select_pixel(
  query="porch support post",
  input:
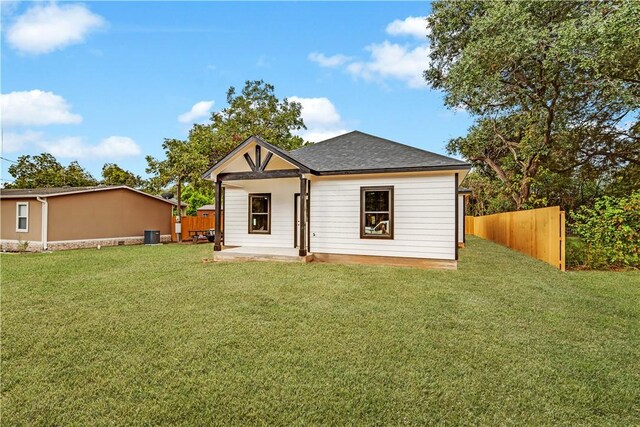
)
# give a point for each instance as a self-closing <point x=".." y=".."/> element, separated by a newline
<point x="303" y="217"/>
<point x="218" y="223"/>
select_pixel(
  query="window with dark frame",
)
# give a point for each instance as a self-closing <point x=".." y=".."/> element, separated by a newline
<point x="376" y="212"/>
<point x="259" y="213"/>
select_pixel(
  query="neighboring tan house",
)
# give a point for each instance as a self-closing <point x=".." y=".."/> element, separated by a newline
<point x="80" y="217"/>
<point x="368" y="200"/>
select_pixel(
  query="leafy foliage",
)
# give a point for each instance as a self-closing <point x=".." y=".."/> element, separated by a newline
<point x="487" y="195"/>
<point x="554" y="87"/>
<point x="576" y="253"/>
<point x="611" y="231"/>
<point x="43" y="170"/>
<point x="113" y="174"/>
<point x="196" y="198"/>
<point x="184" y="162"/>
<point x="255" y="111"/>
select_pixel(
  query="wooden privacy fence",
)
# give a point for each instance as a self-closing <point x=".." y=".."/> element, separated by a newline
<point x="539" y="233"/>
<point x="191" y="223"/>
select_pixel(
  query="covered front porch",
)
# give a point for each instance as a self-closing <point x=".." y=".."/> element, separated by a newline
<point x="265" y="197"/>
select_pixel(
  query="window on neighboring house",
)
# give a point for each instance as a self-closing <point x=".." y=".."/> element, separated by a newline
<point x="22" y="217"/>
<point x="376" y="212"/>
<point x="259" y="213"/>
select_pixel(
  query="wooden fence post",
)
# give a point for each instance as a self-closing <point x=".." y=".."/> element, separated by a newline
<point x="563" y="241"/>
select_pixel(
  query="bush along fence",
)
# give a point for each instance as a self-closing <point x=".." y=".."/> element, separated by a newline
<point x="610" y="232"/>
<point x="539" y="233"/>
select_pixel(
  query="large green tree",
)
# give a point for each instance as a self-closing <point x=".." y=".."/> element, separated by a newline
<point x="553" y="86"/>
<point x="112" y="174"/>
<point x="43" y="170"/>
<point x="255" y="111"/>
<point x="183" y="163"/>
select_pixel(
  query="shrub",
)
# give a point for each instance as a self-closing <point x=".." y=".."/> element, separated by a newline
<point x="23" y="245"/>
<point x="611" y="231"/>
<point x="576" y="253"/>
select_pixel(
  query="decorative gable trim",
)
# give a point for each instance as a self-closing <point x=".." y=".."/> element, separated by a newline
<point x="258" y="165"/>
<point x="262" y="144"/>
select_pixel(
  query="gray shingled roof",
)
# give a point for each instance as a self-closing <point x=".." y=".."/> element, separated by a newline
<point x="358" y="151"/>
<point x="7" y="193"/>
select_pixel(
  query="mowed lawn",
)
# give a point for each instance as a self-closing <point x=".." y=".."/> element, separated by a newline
<point x="151" y="335"/>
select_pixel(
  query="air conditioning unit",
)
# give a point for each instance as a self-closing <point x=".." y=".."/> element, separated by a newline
<point x="151" y="237"/>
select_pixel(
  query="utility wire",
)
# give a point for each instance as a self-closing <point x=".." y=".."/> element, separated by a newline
<point x="8" y="160"/>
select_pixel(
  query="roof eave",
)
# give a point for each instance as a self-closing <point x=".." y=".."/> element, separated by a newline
<point x="463" y="166"/>
<point x="93" y="190"/>
<point x="23" y="196"/>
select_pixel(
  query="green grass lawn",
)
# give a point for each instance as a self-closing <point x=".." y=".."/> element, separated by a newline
<point x="151" y="335"/>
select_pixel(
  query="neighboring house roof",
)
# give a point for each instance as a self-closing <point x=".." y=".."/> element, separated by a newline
<point x="207" y="208"/>
<point x="15" y="193"/>
<point x="352" y="153"/>
<point x="358" y="152"/>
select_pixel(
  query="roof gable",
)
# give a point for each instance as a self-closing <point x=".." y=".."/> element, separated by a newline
<point x="241" y="150"/>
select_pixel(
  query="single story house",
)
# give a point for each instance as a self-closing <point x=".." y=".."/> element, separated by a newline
<point x="80" y="217"/>
<point x="353" y="198"/>
<point x="206" y="211"/>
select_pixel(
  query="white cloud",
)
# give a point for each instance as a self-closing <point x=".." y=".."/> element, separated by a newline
<point x="321" y="118"/>
<point x="45" y="28"/>
<point x="387" y="60"/>
<point x="321" y="135"/>
<point x="391" y="60"/>
<point x="199" y="110"/>
<point x="12" y="141"/>
<point x="113" y="147"/>
<point x="415" y="26"/>
<point x="264" y="62"/>
<point x="317" y="111"/>
<point x="328" y="61"/>
<point x="36" y="108"/>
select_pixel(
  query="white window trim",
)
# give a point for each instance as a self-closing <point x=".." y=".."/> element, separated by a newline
<point x="18" y="229"/>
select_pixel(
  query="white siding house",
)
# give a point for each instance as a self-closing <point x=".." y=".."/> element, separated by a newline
<point x="368" y="200"/>
<point x="424" y="226"/>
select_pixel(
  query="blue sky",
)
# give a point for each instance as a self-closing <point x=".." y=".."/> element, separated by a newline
<point x="108" y="81"/>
